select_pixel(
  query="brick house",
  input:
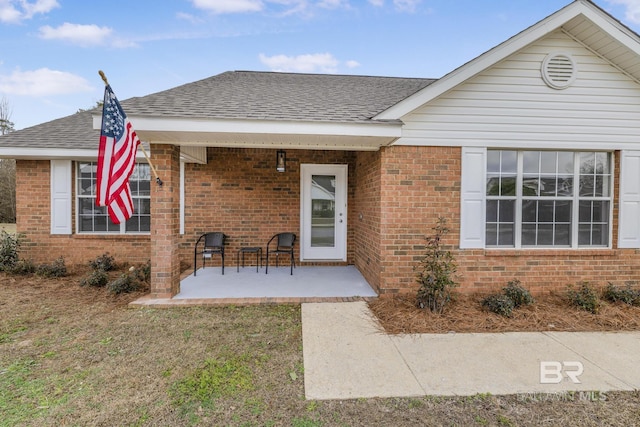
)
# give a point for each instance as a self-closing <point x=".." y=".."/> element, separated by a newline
<point x="531" y="151"/>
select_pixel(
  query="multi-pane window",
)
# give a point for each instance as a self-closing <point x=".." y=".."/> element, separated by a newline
<point x="548" y="198"/>
<point x="95" y="219"/>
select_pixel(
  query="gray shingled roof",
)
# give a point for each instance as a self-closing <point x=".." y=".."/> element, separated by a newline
<point x="279" y="96"/>
<point x="71" y="132"/>
<point x="239" y="95"/>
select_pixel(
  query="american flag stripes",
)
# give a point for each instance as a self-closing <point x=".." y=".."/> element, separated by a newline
<point x="116" y="159"/>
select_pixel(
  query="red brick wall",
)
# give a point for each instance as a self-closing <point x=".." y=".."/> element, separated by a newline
<point x="419" y="184"/>
<point x="33" y="206"/>
<point x="165" y="222"/>
<point x="367" y="216"/>
<point x="422" y="183"/>
<point x="400" y="192"/>
<point x="240" y="193"/>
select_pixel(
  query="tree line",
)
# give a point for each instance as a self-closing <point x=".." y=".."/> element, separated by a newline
<point x="7" y="169"/>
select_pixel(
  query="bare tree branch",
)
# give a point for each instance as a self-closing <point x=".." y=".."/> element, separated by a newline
<point x="7" y="169"/>
<point x="6" y="125"/>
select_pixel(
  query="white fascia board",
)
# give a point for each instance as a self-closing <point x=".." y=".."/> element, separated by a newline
<point x="528" y="144"/>
<point x="168" y="124"/>
<point x="51" y="153"/>
<point x="502" y="51"/>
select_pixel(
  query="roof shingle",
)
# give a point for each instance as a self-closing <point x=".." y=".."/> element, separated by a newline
<point x="240" y="95"/>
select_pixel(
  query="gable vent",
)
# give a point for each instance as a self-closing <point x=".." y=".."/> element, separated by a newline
<point x="558" y="70"/>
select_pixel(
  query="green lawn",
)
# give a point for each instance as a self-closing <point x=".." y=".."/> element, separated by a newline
<point x="72" y="355"/>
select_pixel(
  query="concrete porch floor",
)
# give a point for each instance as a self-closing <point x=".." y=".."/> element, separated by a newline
<point x="307" y="284"/>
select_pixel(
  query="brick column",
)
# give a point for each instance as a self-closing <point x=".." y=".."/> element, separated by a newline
<point x="165" y="222"/>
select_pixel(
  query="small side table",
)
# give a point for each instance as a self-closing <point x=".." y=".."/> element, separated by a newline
<point x="249" y="250"/>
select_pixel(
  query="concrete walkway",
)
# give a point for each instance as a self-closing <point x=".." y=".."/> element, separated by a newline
<point x="346" y="356"/>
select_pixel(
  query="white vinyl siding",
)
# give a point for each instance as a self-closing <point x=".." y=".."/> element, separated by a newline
<point x="509" y="105"/>
<point x="629" y="217"/>
<point x="60" y="196"/>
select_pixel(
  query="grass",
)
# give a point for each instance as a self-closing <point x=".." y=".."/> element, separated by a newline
<point x="72" y="355"/>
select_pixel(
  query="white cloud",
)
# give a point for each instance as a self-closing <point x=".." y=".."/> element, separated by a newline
<point x="39" y="6"/>
<point x="632" y="12"/>
<point x="309" y="63"/>
<point x="377" y="3"/>
<point x="189" y="18"/>
<point x="333" y="4"/>
<point x="14" y="11"/>
<point x="83" y="35"/>
<point x="8" y="13"/>
<point x="352" y="64"/>
<point x="42" y="82"/>
<point x="282" y="7"/>
<point x="229" y="6"/>
<point x="406" y="5"/>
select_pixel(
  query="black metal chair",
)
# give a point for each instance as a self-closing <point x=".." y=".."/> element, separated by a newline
<point x="213" y="244"/>
<point x="283" y="245"/>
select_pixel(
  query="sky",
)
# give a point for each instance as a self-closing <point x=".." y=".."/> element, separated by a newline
<point x="51" y="50"/>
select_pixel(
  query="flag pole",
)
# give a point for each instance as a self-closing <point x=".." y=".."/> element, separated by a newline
<point x="158" y="180"/>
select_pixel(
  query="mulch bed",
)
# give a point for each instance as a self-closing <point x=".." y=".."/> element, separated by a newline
<point x="399" y="315"/>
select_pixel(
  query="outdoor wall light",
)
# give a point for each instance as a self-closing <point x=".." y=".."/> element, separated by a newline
<point x="281" y="160"/>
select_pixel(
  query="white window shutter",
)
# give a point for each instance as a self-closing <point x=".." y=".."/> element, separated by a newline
<point x="629" y="216"/>
<point x="60" y="196"/>
<point x="472" y="194"/>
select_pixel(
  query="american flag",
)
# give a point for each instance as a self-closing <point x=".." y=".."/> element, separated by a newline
<point x="116" y="159"/>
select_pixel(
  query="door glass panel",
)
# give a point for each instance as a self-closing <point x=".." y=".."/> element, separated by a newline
<point x="323" y="210"/>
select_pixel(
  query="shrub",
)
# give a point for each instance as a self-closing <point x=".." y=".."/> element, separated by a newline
<point x="9" y="246"/>
<point x="585" y="297"/>
<point x="436" y="272"/>
<point x="104" y="262"/>
<point x="23" y="267"/>
<point x="143" y="272"/>
<point x="499" y="304"/>
<point x="519" y="295"/>
<point x="124" y="284"/>
<point x="56" y="269"/>
<point x="98" y="279"/>
<point x="626" y="295"/>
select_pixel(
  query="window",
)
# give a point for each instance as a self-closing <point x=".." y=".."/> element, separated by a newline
<point x="548" y="199"/>
<point x="95" y="219"/>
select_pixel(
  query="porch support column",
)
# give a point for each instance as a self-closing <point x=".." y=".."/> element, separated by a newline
<point x="165" y="222"/>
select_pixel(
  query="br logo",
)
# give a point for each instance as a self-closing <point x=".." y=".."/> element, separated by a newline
<point x="552" y="372"/>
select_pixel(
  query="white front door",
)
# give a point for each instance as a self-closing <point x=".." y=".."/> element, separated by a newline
<point x="323" y="225"/>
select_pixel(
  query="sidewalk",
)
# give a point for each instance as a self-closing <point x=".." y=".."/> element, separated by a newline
<point x="346" y="356"/>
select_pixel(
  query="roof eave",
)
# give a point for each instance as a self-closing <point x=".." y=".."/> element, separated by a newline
<point x="374" y="128"/>
<point x="46" y="153"/>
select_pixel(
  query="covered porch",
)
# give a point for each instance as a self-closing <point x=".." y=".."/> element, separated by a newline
<point x="246" y="286"/>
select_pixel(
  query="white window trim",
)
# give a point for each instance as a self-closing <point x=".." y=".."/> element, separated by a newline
<point x="469" y="194"/>
<point x="76" y="199"/>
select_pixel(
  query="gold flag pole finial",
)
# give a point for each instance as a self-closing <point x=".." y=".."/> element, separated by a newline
<point x="104" y="78"/>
